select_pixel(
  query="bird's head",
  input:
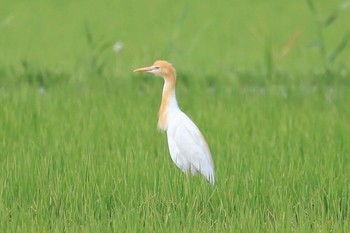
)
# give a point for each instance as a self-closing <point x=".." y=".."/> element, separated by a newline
<point x="159" y="68"/>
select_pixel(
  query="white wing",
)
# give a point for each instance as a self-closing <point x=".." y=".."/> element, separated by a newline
<point x="188" y="148"/>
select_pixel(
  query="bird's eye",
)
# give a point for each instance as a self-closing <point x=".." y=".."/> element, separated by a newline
<point x="156" y="67"/>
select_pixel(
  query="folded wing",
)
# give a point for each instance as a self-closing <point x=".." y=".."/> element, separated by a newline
<point x="188" y="148"/>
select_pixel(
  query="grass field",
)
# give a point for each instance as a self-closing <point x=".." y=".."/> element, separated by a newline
<point x="79" y="149"/>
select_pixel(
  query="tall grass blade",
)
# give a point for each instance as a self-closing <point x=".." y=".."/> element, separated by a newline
<point x="331" y="18"/>
<point x="311" y="5"/>
<point x="269" y="63"/>
<point x="335" y="15"/>
<point x="340" y="48"/>
<point x="290" y="43"/>
<point x="88" y="35"/>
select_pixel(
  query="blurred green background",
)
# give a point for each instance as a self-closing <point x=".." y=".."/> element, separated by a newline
<point x="194" y="35"/>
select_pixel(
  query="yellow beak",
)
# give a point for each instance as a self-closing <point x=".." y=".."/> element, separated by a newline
<point x="144" y="69"/>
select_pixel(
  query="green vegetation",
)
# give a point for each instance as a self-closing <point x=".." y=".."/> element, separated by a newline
<point x="269" y="88"/>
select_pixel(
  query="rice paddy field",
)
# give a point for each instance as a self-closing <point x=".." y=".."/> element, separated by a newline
<point x="267" y="82"/>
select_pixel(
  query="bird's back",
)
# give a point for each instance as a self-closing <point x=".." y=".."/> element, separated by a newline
<point x="187" y="146"/>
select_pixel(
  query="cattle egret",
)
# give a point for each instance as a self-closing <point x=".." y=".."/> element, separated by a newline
<point x="187" y="146"/>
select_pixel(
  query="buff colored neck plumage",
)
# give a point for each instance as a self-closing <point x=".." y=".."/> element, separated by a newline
<point x="168" y="100"/>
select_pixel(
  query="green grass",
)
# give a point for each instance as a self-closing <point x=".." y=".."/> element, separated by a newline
<point x="79" y="149"/>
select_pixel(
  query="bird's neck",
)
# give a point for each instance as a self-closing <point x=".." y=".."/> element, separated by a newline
<point x="168" y="101"/>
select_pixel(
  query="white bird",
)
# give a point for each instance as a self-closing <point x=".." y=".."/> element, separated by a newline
<point x="187" y="146"/>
